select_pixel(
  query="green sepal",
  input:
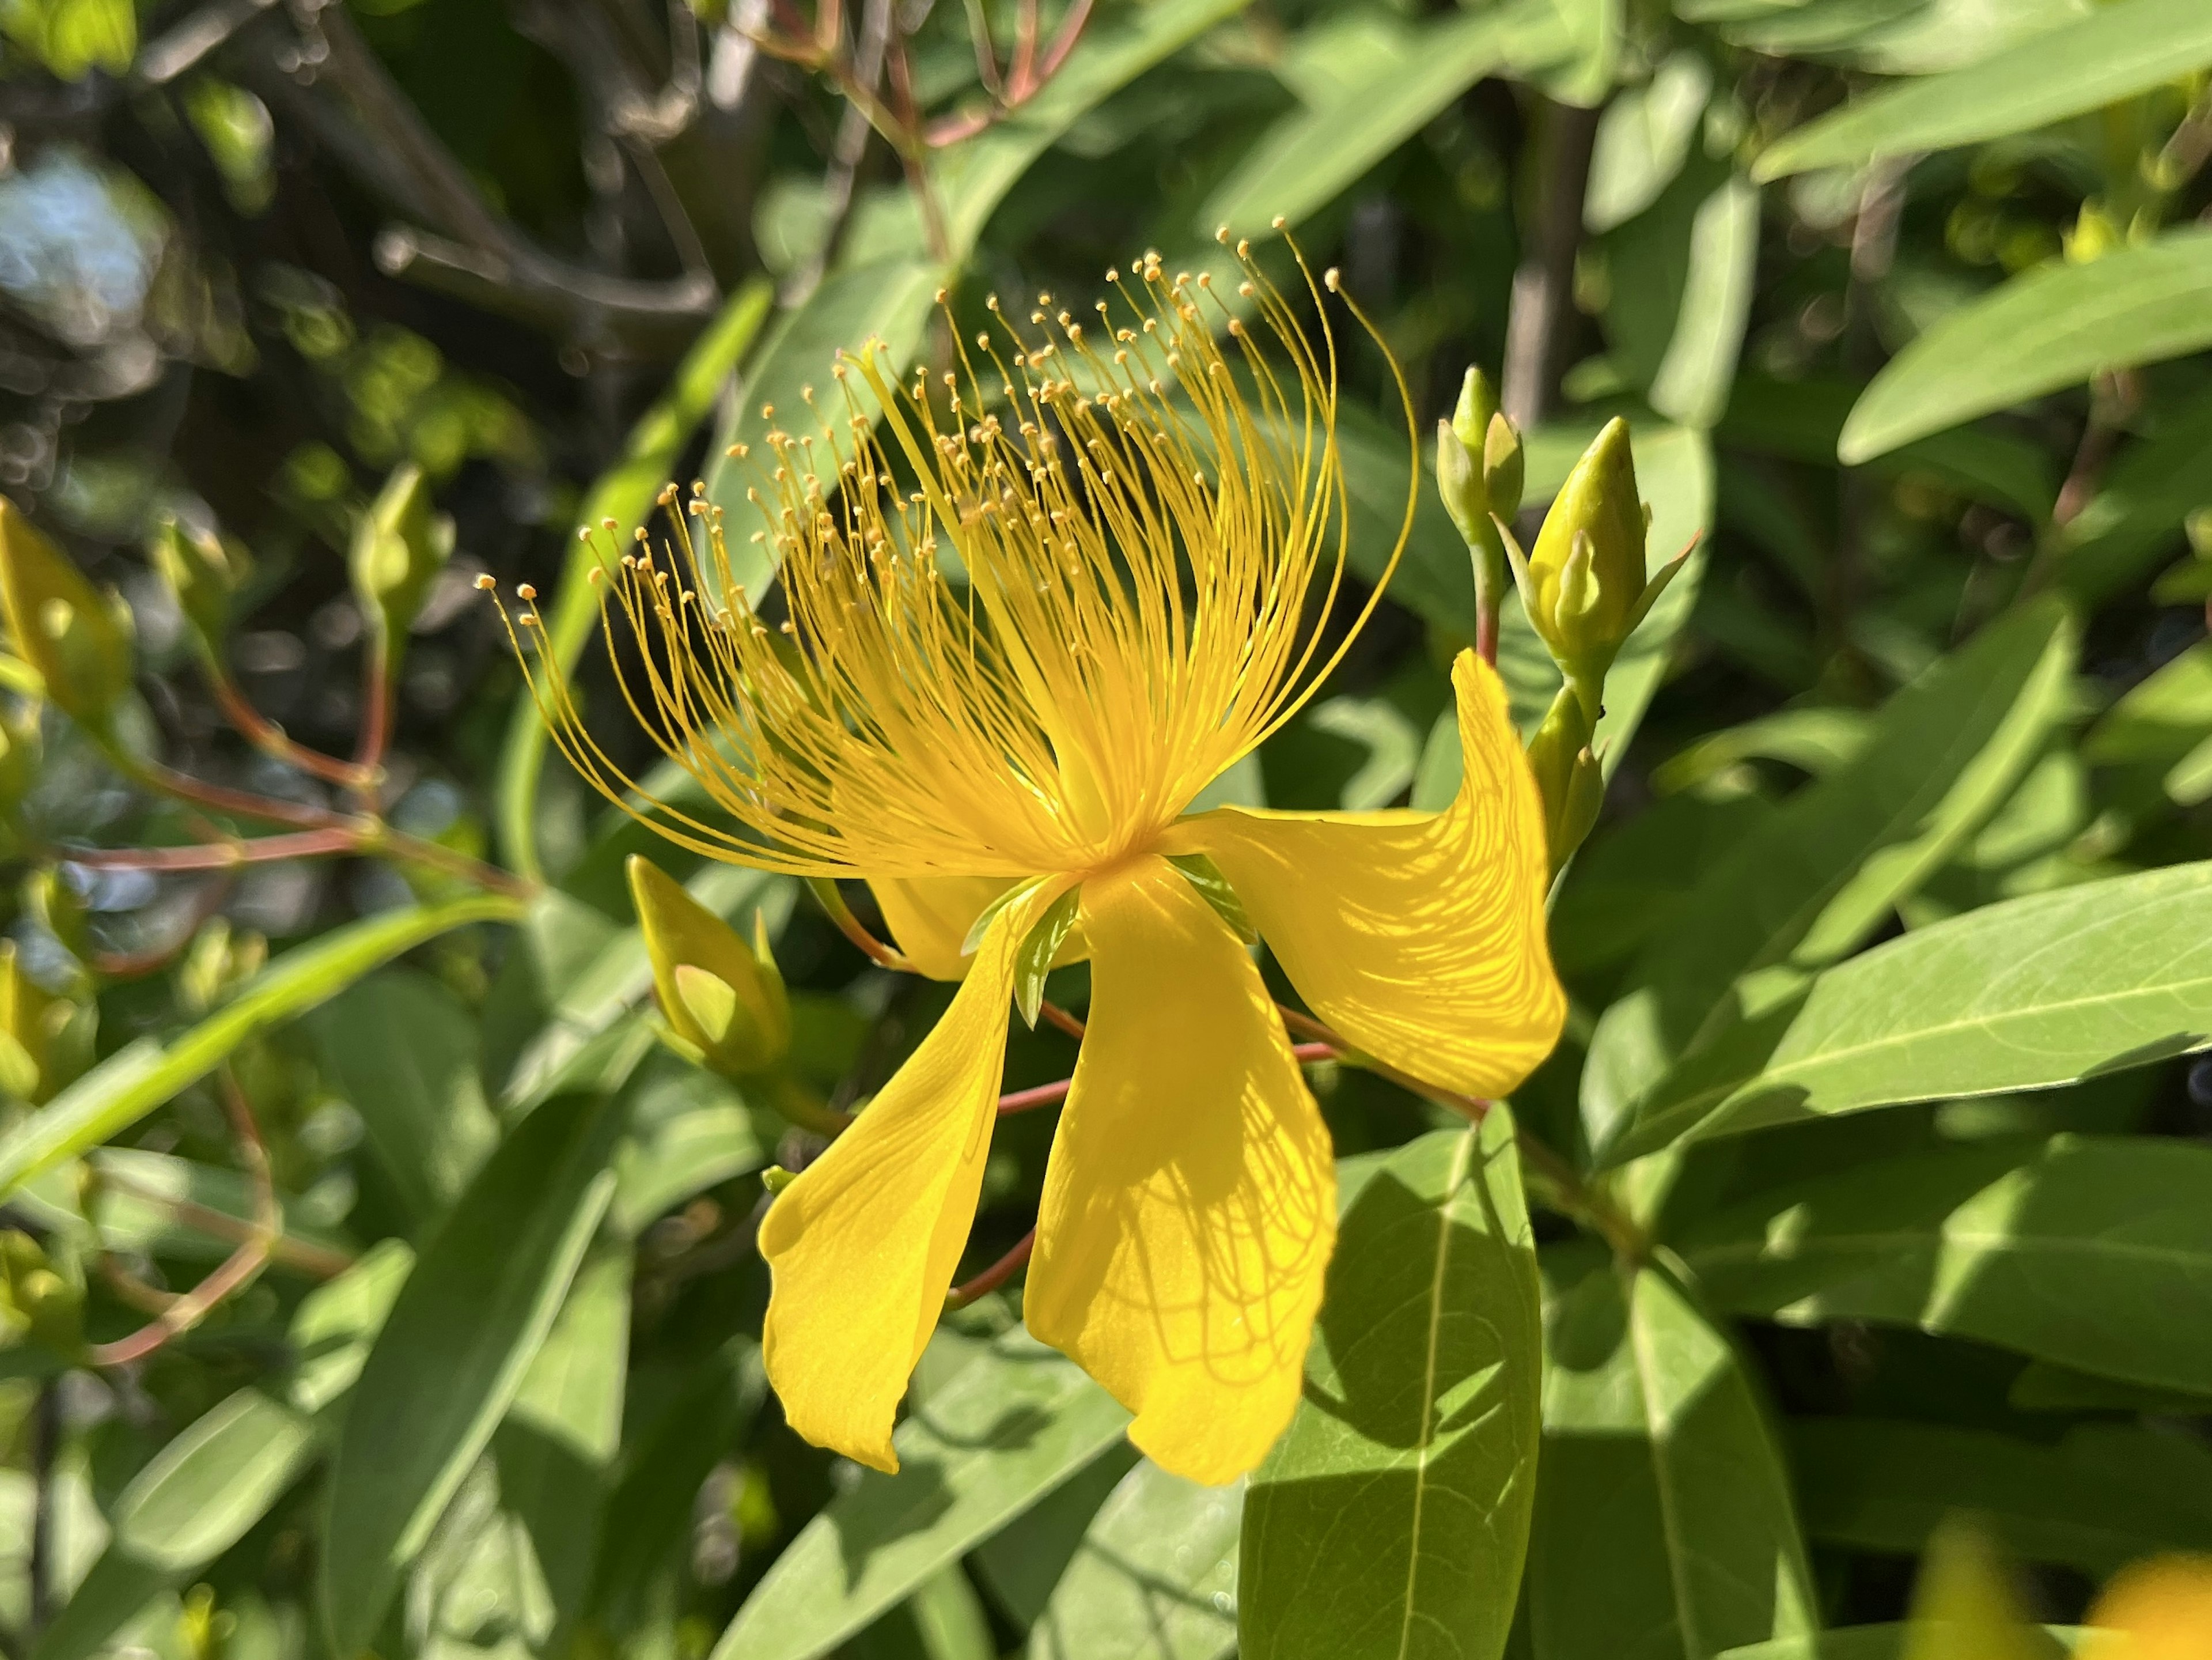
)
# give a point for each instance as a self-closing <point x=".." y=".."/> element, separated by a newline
<point x="989" y="914"/>
<point x="1202" y="873"/>
<point x="1034" y="961"/>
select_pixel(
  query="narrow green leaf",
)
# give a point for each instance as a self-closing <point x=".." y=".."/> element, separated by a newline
<point x="402" y="1051"/>
<point x="2095" y="1253"/>
<point x="1020" y="1564"/>
<point x="1644" y="138"/>
<point x="204" y="1489"/>
<point x="555" y="1448"/>
<point x="686" y="1130"/>
<point x="1312" y="156"/>
<point x="1155" y="1577"/>
<point x="2114" y="53"/>
<point x="1858" y="1642"/>
<point x="1011" y="1426"/>
<point x="1038" y="949"/>
<point x="2106" y="1496"/>
<point x="1681" y="286"/>
<point x="2054" y="327"/>
<point x="130" y="1083"/>
<point x="1664" y="1526"/>
<point x="466" y="1325"/>
<point x="2025" y="995"/>
<point x="1392" y="1517"/>
<point x="1811" y="882"/>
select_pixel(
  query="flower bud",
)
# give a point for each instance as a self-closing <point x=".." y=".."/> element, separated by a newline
<point x="723" y="1000"/>
<point x="46" y="1039"/>
<point x="1459" y="482"/>
<point x="1477" y="405"/>
<point x="1585" y="579"/>
<point x="1502" y="466"/>
<point x="36" y="1302"/>
<point x="77" y="639"/>
<point x="399" y="546"/>
<point x="203" y="571"/>
<point x="1568" y="776"/>
<point x="60" y="909"/>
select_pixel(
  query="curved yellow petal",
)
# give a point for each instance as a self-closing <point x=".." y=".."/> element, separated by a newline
<point x="861" y="1248"/>
<point x="1190" y="1206"/>
<point x="1421" y="938"/>
<point x="929" y="916"/>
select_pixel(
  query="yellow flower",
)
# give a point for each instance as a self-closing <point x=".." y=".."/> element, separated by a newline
<point x="1026" y="621"/>
<point x="2159" y="1609"/>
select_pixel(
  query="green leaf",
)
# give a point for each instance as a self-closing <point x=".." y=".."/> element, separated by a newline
<point x="1664" y="1526"/>
<point x="2142" y="503"/>
<point x="2032" y="993"/>
<point x="1644" y="138"/>
<point x="2052" y="328"/>
<point x="402" y="1050"/>
<point x="204" y="1490"/>
<point x="451" y="1356"/>
<point x="1020" y="1564"/>
<point x="2095" y="1253"/>
<point x="1311" y="157"/>
<point x="2114" y="53"/>
<point x="686" y="1130"/>
<point x="943" y="1621"/>
<point x="1680" y="279"/>
<point x="710" y="1403"/>
<point x="1857" y="1642"/>
<point x="555" y="1448"/>
<point x="1011" y="1426"/>
<point x="1155" y="1577"/>
<point x="1392" y="1517"/>
<point x="1814" y="878"/>
<point x="2106" y="1496"/>
<point x="130" y="1083"/>
<point x="1038" y="949"/>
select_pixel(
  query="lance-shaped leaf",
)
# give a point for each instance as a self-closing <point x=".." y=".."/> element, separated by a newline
<point x="1814" y="879"/>
<point x="1013" y="1425"/>
<point x="134" y="1080"/>
<point x="1664" y="1526"/>
<point x="1154" y="1578"/>
<point x="2025" y="995"/>
<point x="2094" y="1252"/>
<point x="471" y="1316"/>
<point x="1392" y="1517"/>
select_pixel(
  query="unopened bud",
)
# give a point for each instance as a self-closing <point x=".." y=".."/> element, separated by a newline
<point x="1568" y="776"/>
<point x="36" y="1302"/>
<point x="203" y="571"/>
<point x="723" y="1000"/>
<point x="399" y="546"/>
<point x="46" y="1039"/>
<point x="1502" y="466"/>
<point x="1586" y="575"/>
<point x="76" y="638"/>
<point x="1459" y="482"/>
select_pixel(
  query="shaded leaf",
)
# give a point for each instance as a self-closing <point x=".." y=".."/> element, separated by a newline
<point x="1392" y="1517"/>
<point x="1154" y="1578"/>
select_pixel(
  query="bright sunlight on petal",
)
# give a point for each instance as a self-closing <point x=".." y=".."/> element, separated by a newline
<point x="1190" y="1206"/>
<point x="929" y="916"/>
<point x="1421" y="939"/>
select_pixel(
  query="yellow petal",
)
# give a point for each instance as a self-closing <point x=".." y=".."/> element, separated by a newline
<point x="1420" y="938"/>
<point x="863" y="1245"/>
<point x="929" y="916"/>
<point x="1190" y="1204"/>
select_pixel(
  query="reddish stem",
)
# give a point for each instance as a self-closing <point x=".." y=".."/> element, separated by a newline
<point x="270" y="739"/>
<point x="375" y="723"/>
<point x="223" y="855"/>
<point x="994" y="1276"/>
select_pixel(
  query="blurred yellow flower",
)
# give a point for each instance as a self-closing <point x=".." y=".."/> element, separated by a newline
<point x="2160" y="1609"/>
<point x="1024" y="624"/>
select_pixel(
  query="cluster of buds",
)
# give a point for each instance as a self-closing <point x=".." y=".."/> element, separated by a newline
<point x="78" y="640"/>
<point x="38" y="1303"/>
<point x="1585" y="587"/>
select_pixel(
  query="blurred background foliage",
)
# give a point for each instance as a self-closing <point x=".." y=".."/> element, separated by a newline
<point x="1907" y="302"/>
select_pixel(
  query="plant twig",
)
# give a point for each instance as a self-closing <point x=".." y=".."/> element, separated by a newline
<point x="238" y="1269"/>
<point x="994" y="1276"/>
<point x="292" y="1253"/>
<point x="270" y="739"/>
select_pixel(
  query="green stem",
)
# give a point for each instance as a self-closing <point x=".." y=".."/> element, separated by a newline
<point x="625" y="493"/>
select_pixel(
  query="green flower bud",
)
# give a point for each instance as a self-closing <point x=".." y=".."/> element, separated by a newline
<point x="216" y="963"/>
<point x="46" y="1040"/>
<point x="76" y="638"/>
<point x="1585" y="583"/>
<point x="36" y="1302"/>
<point x="723" y="1000"/>
<point x="1502" y="466"/>
<point x="1471" y="417"/>
<point x="1459" y="482"/>
<point x="399" y="546"/>
<point x="1567" y="774"/>
<point x="203" y="571"/>
<point x="60" y="909"/>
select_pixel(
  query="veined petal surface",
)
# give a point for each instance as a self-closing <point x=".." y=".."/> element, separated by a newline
<point x="863" y="1245"/>
<point x="1420" y="938"/>
<point x="1190" y="1206"/>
